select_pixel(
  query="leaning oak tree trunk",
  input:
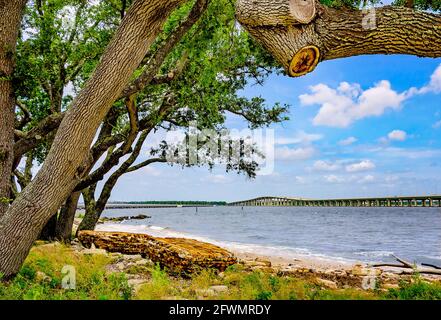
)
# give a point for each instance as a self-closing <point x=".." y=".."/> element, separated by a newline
<point x="302" y="33"/>
<point x="10" y="13"/>
<point x="68" y="158"/>
<point x="63" y="229"/>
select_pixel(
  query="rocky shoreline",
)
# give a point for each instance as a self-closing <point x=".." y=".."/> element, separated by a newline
<point x="325" y="273"/>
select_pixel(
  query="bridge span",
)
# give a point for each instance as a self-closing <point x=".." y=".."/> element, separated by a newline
<point x="395" y="201"/>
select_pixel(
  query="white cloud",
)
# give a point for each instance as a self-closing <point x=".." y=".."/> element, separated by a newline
<point x="360" y="166"/>
<point x="391" y="179"/>
<point x="407" y="153"/>
<point x="434" y="84"/>
<point x="300" y="138"/>
<point x="367" y="179"/>
<point x="334" y="179"/>
<point x="397" y="135"/>
<point x="347" y="141"/>
<point x="342" y="106"/>
<point x="348" y="103"/>
<point x="437" y="124"/>
<point x="321" y="165"/>
<point x="285" y="153"/>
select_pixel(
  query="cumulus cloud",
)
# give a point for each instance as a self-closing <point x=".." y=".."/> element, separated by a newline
<point x="347" y="141"/>
<point x="321" y="165"/>
<point x="397" y="135"/>
<point x="289" y="154"/>
<point x="364" y="165"/>
<point x="435" y="83"/>
<point x="342" y="106"/>
<point x="437" y="124"/>
<point x="367" y="179"/>
<point x="334" y="179"/>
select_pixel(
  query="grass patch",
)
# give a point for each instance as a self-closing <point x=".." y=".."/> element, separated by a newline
<point x="418" y="289"/>
<point x="41" y="277"/>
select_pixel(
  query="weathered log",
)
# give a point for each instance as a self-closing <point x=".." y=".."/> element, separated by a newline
<point x="407" y="265"/>
<point x="178" y="255"/>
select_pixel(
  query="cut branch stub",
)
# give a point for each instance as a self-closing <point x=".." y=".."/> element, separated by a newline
<point x="304" y="61"/>
<point x="256" y="13"/>
<point x="302" y="10"/>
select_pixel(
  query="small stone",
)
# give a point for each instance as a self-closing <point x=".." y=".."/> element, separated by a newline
<point x="359" y="270"/>
<point x="254" y="263"/>
<point x="120" y="266"/>
<point x="133" y="257"/>
<point x="219" y="288"/>
<point x="266" y="262"/>
<point x="94" y="251"/>
<point x="144" y="262"/>
<point x="327" y="283"/>
<point x="42" y="277"/>
<point x="136" y="284"/>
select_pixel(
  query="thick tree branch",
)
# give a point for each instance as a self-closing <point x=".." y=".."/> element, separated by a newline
<point x="337" y="33"/>
<point x="36" y="135"/>
<point x="26" y="115"/>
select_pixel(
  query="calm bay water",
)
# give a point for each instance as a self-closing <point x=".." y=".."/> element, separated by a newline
<point x="354" y="234"/>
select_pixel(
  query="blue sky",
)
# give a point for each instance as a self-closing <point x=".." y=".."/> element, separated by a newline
<point x="360" y="126"/>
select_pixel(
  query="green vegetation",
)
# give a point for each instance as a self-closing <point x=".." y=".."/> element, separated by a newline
<point x="418" y="289"/>
<point x="41" y="278"/>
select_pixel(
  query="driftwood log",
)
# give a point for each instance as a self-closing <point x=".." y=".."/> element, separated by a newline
<point x="413" y="267"/>
<point x="178" y="255"/>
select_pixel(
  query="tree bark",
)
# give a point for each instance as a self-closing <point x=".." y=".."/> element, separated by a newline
<point x="68" y="160"/>
<point x="337" y="33"/>
<point x="11" y="14"/>
<point x="90" y="217"/>
<point x="63" y="230"/>
<point x="48" y="232"/>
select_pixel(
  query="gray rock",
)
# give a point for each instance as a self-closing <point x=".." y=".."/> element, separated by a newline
<point x="219" y="288"/>
<point x="132" y="257"/>
<point x="327" y="283"/>
<point x="144" y="262"/>
<point x="93" y="251"/>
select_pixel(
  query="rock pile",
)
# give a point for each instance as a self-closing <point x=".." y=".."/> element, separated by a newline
<point x="178" y="255"/>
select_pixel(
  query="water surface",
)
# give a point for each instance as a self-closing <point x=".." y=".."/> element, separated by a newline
<point x="353" y="234"/>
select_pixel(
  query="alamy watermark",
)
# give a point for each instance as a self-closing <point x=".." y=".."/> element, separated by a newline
<point x="69" y="281"/>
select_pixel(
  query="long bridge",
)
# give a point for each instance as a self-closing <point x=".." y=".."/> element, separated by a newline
<point x="395" y="201"/>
